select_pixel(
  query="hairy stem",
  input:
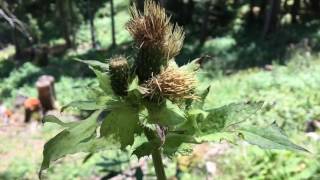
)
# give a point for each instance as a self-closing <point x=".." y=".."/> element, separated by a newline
<point x="158" y="165"/>
<point x="156" y="155"/>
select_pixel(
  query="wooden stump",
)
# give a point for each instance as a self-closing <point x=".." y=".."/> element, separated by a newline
<point x="51" y="80"/>
<point x="46" y="94"/>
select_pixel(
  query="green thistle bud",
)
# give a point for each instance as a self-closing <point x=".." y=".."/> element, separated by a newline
<point x="119" y="74"/>
<point x="158" y="40"/>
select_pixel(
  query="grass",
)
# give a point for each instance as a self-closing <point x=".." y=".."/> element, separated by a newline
<point x="292" y="98"/>
<point x="290" y="90"/>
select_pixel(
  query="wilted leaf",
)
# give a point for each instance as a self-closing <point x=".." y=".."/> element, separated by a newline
<point x="94" y="63"/>
<point x="122" y="122"/>
<point x="271" y="137"/>
<point x="78" y="138"/>
<point x="166" y="114"/>
<point x="228" y="115"/>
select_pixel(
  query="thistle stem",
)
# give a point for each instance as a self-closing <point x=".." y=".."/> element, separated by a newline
<point x="156" y="156"/>
<point x="158" y="165"/>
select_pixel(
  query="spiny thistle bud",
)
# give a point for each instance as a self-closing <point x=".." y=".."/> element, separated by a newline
<point x="119" y="73"/>
<point x="172" y="83"/>
<point x="158" y="40"/>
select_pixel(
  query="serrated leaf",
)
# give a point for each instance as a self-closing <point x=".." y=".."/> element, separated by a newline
<point x="166" y="114"/>
<point x="104" y="81"/>
<point x="271" y="137"/>
<point x="94" y="63"/>
<point x="191" y="125"/>
<point x="228" y="115"/>
<point x="173" y="142"/>
<point x="54" y="119"/>
<point x="145" y="149"/>
<point x="121" y="122"/>
<point x="78" y="138"/>
<point x="217" y="137"/>
<point x="86" y="105"/>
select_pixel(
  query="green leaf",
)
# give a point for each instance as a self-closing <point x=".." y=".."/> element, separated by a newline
<point x="228" y="115"/>
<point x="134" y="85"/>
<point x="135" y="88"/>
<point x="166" y="114"/>
<point x="121" y="122"/>
<point x="192" y="66"/>
<point x="54" y="119"/>
<point x="173" y="142"/>
<point x="231" y="137"/>
<point x="94" y="63"/>
<point x="145" y="149"/>
<point x="86" y="105"/>
<point x="191" y="125"/>
<point x="78" y="138"/>
<point x="271" y="137"/>
<point x="104" y="81"/>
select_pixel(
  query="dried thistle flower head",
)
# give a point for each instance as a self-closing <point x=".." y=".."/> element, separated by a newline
<point x="172" y="83"/>
<point x="158" y="39"/>
<point x="119" y="74"/>
<point x="154" y="30"/>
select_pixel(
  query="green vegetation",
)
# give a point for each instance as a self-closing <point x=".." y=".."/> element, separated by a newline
<point x="241" y="63"/>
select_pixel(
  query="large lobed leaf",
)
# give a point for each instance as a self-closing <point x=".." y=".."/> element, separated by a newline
<point x="121" y="122"/>
<point x="228" y="115"/>
<point x="80" y="137"/>
<point x="271" y="137"/>
<point x="94" y="63"/>
<point x="88" y="105"/>
<point x="166" y="114"/>
<point x="174" y="141"/>
<point x="104" y="81"/>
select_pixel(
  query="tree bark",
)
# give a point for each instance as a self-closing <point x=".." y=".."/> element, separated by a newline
<point x="295" y="11"/>
<point x="204" y="25"/>
<point x="271" y="17"/>
<point x="113" y="33"/>
<point x="46" y="93"/>
<point x="92" y="28"/>
<point x="64" y="15"/>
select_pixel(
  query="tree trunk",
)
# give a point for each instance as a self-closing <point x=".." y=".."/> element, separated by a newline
<point x="272" y="17"/>
<point x="295" y="11"/>
<point x="92" y="28"/>
<point x="16" y="43"/>
<point x="315" y="6"/>
<point x="114" y="43"/>
<point x="64" y="16"/>
<point x="204" y="25"/>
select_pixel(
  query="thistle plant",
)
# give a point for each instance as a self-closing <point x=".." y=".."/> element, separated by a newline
<point x="152" y="107"/>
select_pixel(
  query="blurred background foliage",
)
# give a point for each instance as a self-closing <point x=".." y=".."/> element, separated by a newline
<point x="253" y="49"/>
